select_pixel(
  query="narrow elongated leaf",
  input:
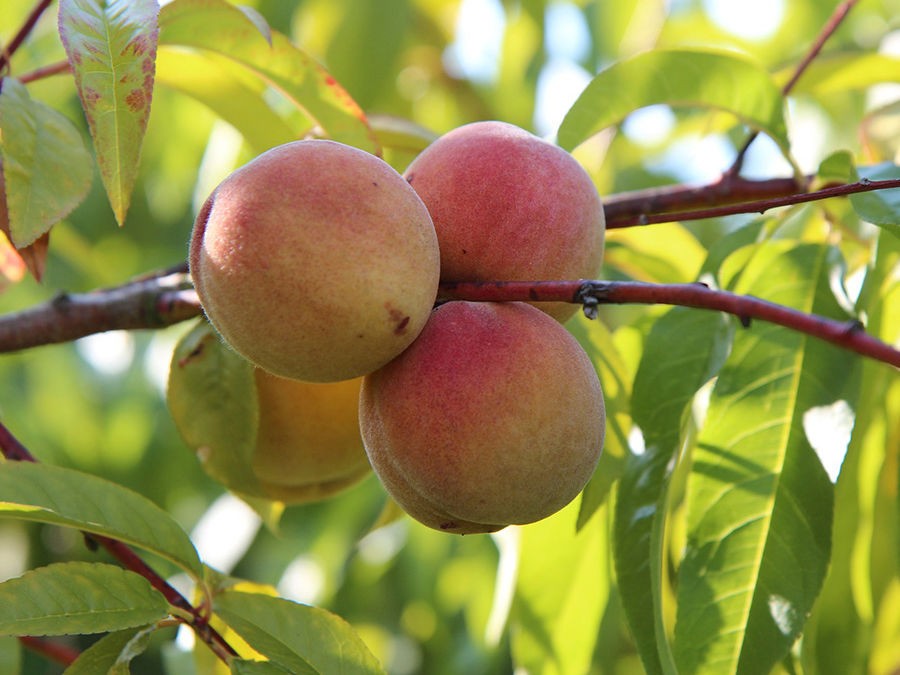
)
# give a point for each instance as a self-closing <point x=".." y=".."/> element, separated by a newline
<point x="112" y="653"/>
<point x="684" y="349"/>
<point x="759" y="504"/>
<point x="46" y="167"/>
<point x="246" y="667"/>
<point x="52" y="494"/>
<point x="78" y="598"/>
<point x="844" y="72"/>
<point x="556" y="617"/>
<point x="216" y="82"/>
<point x="111" y="46"/>
<point x="219" y="26"/>
<point x="302" y="638"/>
<point x="678" y="77"/>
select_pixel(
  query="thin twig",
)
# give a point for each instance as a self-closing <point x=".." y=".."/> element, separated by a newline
<point x="23" y="33"/>
<point x="758" y="206"/>
<point x="14" y="450"/>
<point x="849" y="335"/>
<point x="46" y="71"/>
<point x="837" y="17"/>
<point x="53" y="650"/>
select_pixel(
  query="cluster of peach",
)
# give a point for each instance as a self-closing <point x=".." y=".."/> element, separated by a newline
<point x="320" y="264"/>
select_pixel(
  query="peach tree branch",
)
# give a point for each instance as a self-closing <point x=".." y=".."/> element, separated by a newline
<point x="14" y="450"/>
<point x="849" y="335"/>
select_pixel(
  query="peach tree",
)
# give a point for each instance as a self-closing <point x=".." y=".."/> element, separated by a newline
<point x="169" y="506"/>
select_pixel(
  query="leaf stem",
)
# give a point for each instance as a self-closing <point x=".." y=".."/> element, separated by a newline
<point x="50" y="649"/>
<point x="23" y="33"/>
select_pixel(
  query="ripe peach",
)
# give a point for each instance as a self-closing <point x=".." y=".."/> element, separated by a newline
<point x="261" y="435"/>
<point x="308" y="445"/>
<point x="509" y="206"/>
<point x="493" y="416"/>
<point x="316" y="261"/>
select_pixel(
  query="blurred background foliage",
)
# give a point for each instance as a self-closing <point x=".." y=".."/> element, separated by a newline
<point x="424" y="602"/>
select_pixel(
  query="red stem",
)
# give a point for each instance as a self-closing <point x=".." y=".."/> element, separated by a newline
<point x="51" y="649"/>
<point x="23" y="33"/>
<point x="849" y="335"/>
<point x="46" y="71"/>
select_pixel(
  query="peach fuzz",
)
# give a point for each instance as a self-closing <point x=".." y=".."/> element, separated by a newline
<point x="493" y="416"/>
<point x="316" y="261"/>
<point x="509" y="206"/>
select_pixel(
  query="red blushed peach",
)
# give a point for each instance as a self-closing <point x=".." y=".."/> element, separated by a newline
<point x="508" y="206"/>
<point x="493" y="416"/>
<point x="316" y="261"/>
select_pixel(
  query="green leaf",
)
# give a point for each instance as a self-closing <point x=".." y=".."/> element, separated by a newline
<point x="840" y="73"/>
<point x="46" y="167"/>
<point x="678" y="77"/>
<point x="615" y="379"/>
<point x="78" y="598"/>
<point x="246" y="667"/>
<point x="112" y="653"/>
<point x="683" y="350"/>
<point x="10" y="656"/>
<point x="51" y="494"/>
<point x="233" y="96"/>
<point x="111" y="46"/>
<point x="556" y="616"/>
<point x="212" y="398"/>
<point x="302" y="638"/>
<point x="758" y="501"/>
<point x="221" y="27"/>
<point x="880" y="207"/>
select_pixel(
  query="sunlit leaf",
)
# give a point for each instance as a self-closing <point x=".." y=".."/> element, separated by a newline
<point x="46" y="168"/>
<point x="758" y="499"/>
<point x="684" y="349"/>
<point x="844" y="72"/>
<point x="78" y="597"/>
<point x="302" y="638"/>
<point x="52" y="494"/>
<point x="221" y="27"/>
<point x="217" y="83"/>
<point x="555" y="617"/>
<point x="111" y="46"/>
<point x="678" y="77"/>
<point x="881" y="207"/>
<point x="112" y="653"/>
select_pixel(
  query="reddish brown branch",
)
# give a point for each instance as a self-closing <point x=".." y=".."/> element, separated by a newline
<point x="23" y="33"/>
<point x="51" y="649"/>
<point x="152" y="302"/>
<point x="13" y="450"/>
<point x="46" y="71"/>
<point x="836" y="19"/>
<point x="849" y="335"/>
<point x="757" y="206"/>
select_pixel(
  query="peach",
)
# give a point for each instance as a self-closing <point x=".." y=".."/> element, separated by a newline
<point x="509" y="206"/>
<point x="261" y="435"/>
<point x="493" y="416"/>
<point x="316" y="261"/>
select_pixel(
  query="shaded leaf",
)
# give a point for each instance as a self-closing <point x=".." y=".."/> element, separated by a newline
<point x="758" y="499"/>
<point x="212" y="399"/>
<point x="10" y="656"/>
<point x="111" y="47"/>
<point x="221" y="27"/>
<point x="678" y="77"/>
<point x="112" y="653"/>
<point x="302" y="638"/>
<point x="46" y="168"/>
<point x="880" y="207"/>
<point x="51" y="494"/>
<point x="246" y="667"/>
<point x="78" y="598"/>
